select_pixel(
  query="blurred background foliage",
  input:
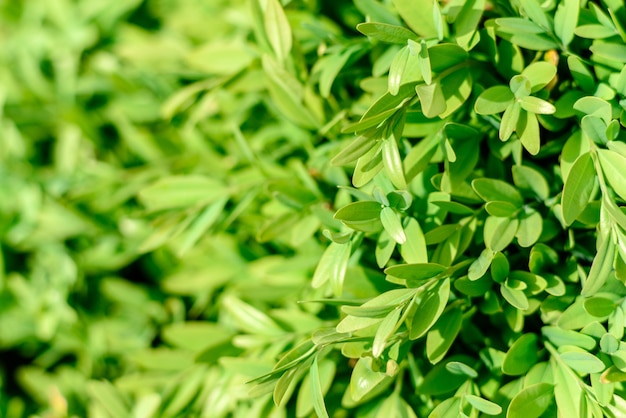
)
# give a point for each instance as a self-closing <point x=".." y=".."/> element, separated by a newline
<point x="159" y="219"/>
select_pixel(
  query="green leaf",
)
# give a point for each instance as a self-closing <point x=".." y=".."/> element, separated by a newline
<point x="449" y="408"/>
<point x="531" y="402"/>
<point x="429" y="308"/>
<point x="516" y="25"/>
<point x="367" y="166"/>
<point x="595" y="128"/>
<point x="601" y="267"/>
<point x="277" y="29"/>
<point x="399" y="66"/>
<point x="613" y="165"/>
<point x="385" y="330"/>
<point x="181" y="192"/>
<point x="423" y="59"/>
<point x="582" y="361"/>
<point x="509" y="122"/>
<point x="304" y="400"/>
<point x="500" y="209"/>
<point x="317" y="392"/>
<point x="287" y="93"/>
<point x="494" y="100"/>
<point x="421" y="23"/>
<point x="595" y="31"/>
<point x="362" y="216"/>
<point x="525" y="34"/>
<point x="332" y="266"/>
<point x="480" y="266"/>
<point x="533" y="10"/>
<point x="416" y="272"/>
<point x="467" y="21"/>
<point x="500" y="268"/>
<point x="539" y="74"/>
<point x="521" y="356"/>
<point x="387" y="33"/>
<point x="445" y="56"/>
<point x="609" y="344"/>
<point x="441" y="336"/>
<point x="108" y="397"/>
<point x="527" y="178"/>
<point x="391" y="222"/>
<point x="364" y="379"/>
<point x="377" y="12"/>
<point x="459" y="368"/>
<point x="392" y="162"/>
<point x="414" y="250"/>
<point x="432" y="99"/>
<point x="356" y="149"/>
<point x="497" y="190"/>
<point x="250" y="319"/>
<point x="530" y="228"/>
<point x="332" y="65"/>
<point x="613" y="52"/>
<point x="567" y="391"/>
<point x="499" y="232"/>
<point x="578" y="187"/>
<point x="566" y="20"/>
<point x="583" y="77"/>
<point x="528" y="132"/>
<point x="483" y="405"/>
<point x="536" y="105"/>
<point x="384" y="249"/>
<point x="599" y="306"/>
<point x="559" y="337"/>
<point x="515" y="297"/>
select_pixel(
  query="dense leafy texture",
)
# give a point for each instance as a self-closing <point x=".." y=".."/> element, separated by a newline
<point x="272" y="208"/>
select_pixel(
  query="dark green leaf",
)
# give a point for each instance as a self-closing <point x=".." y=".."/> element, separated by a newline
<point x="441" y="336"/>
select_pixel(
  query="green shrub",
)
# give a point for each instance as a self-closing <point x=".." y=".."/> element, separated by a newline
<point x="350" y="208"/>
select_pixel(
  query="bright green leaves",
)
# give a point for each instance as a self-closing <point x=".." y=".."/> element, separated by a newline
<point x="566" y="20"/>
<point x="392" y="162"/>
<point x="332" y="266"/>
<point x="613" y="164"/>
<point x="578" y="188"/>
<point x="494" y="100"/>
<point x="387" y="33"/>
<point x="277" y="29"/>
<point x="428" y="308"/>
<point x="452" y="83"/>
<point x="181" y="191"/>
<point x="520" y="109"/>
<point x="532" y="401"/>
<point x="521" y="356"/>
<point x="365" y="380"/>
<point x="418" y="16"/>
<point x="392" y="224"/>
<point x="361" y="216"/>
<point x="317" y="393"/>
<point x="466" y="23"/>
<point x="491" y="190"/>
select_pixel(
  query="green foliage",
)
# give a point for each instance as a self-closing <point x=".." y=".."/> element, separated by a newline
<point x="309" y="208"/>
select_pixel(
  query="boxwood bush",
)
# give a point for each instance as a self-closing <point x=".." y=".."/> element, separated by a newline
<point x="306" y="208"/>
